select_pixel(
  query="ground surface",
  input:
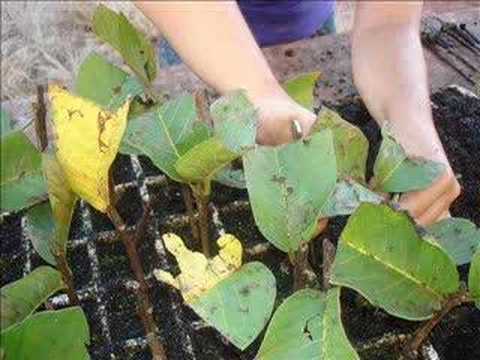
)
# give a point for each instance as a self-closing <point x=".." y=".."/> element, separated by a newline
<point x="102" y="272"/>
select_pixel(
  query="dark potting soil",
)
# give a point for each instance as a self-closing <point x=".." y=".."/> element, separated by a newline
<point x="102" y="272"/>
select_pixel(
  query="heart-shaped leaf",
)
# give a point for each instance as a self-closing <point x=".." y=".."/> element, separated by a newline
<point x="52" y="335"/>
<point x="88" y="138"/>
<point x="137" y="52"/>
<point x="301" y="89"/>
<point x="458" y="237"/>
<point x="381" y="256"/>
<point x="474" y="278"/>
<point x="395" y="172"/>
<point x="306" y="326"/>
<point x="22" y="184"/>
<point x="288" y="186"/>
<point x="22" y="297"/>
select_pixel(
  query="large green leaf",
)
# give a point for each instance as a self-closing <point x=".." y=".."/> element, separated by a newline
<point x="22" y="297"/>
<point x="307" y="326"/>
<point x="381" y="256"/>
<point x="165" y="133"/>
<point x="22" y="183"/>
<point x="395" y="172"/>
<point x="48" y="225"/>
<point x="49" y="335"/>
<point x="301" y="89"/>
<point x="458" y="237"/>
<point x="239" y="307"/>
<point x="288" y="186"/>
<point x="347" y="197"/>
<point x="474" y="278"/>
<point x="351" y="146"/>
<point x="133" y="46"/>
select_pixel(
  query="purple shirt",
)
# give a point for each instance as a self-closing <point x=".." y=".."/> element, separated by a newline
<point x="280" y="21"/>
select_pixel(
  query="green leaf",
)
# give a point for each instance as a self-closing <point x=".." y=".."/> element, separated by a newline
<point x="351" y="146"/>
<point x="204" y="160"/>
<point x="98" y="80"/>
<point x="231" y="177"/>
<point x="239" y="306"/>
<point x="286" y="202"/>
<point x="301" y="89"/>
<point x="49" y="335"/>
<point x="347" y="197"/>
<point x="48" y="225"/>
<point x="307" y="326"/>
<point x="381" y="256"/>
<point x="137" y="52"/>
<point x="22" y="297"/>
<point x="161" y="133"/>
<point x="234" y="121"/>
<point x="22" y="183"/>
<point x="396" y="173"/>
<point x="458" y="237"/>
<point x="474" y="278"/>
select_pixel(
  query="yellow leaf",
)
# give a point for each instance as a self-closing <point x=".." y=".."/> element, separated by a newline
<point x="197" y="273"/>
<point x="88" y="138"/>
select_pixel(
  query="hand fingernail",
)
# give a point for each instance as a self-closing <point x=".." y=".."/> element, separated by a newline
<point x="296" y="130"/>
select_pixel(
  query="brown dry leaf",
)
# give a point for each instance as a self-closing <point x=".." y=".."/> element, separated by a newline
<point x="197" y="273"/>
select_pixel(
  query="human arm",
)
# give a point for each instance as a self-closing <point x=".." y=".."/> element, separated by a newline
<point x="390" y="73"/>
<point x="214" y="40"/>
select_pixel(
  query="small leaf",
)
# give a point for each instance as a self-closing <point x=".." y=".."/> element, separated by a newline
<point x="474" y="278"/>
<point x="306" y="326"/>
<point x="347" y="197"/>
<point x="52" y="335"/>
<point x="231" y="177"/>
<point x="381" y="256"/>
<point x="286" y="203"/>
<point x="458" y="237"/>
<point x="301" y="89"/>
<point x="197" y="273"/>
<point x="396" y="173"/>
<point x="161" y="132"/>
<point x="22" y="297"/>
<point x="40" y="229"/>
<point x="239" y="306"/>
<point x="88" y="138"/>
<point x="351" y="146"/>
<point x="137" y="52"/>
<point x="22" y="184"/>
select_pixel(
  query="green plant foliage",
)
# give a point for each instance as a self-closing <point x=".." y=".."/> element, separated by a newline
<point x="231" y="177"/>
<point x="381" y="256"/>
<point x="22" y="184"/>
<point x="286" y="204"/>
<point x="347" y="197"/>
<point x="307" y="326"/>
<point x="22" y="297"/>
<point x="48" y="224"/>
<point x="458" y="237"/>
<point x="395" y="172"/>
<point x="474" y="278"/>
<point x="52" y="335"/>
<point x="301" y="89"/>
<point x="137" y="52"/>
<point x="351" y="146"/>
<point x="240" y="306"/>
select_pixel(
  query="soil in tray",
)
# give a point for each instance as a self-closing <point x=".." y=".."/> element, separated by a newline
<point x="185" y="337"/>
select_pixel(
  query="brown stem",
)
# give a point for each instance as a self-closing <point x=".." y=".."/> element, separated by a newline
<point x="145" y="307"/>
<point x="300" y="267"/>
<point x="188" y="200"/>
<point x="201" y="104"/>
<point x="202" y="206"/>
<point x="142" y="225"/>
<point x="40" y="119"/>
<point x="67" y="277"/>
<point x="424" y="331"/>
<point x="328" y="258"/>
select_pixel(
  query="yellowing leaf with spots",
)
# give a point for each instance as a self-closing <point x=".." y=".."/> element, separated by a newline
<point x="236" y="300"/>
<point x="88" y="138"/>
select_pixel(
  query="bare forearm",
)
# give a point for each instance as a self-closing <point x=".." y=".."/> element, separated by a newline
<point x="214" y="40"/>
